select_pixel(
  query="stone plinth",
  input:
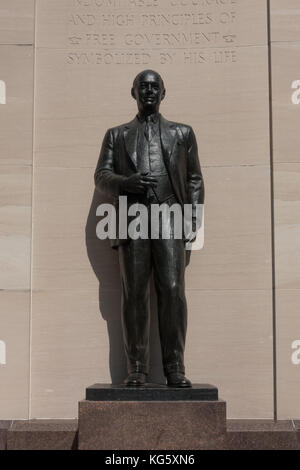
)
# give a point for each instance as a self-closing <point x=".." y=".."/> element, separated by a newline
<point x="60" y="434"/>
<point x="165" y="421"/>
<point x="4" y="426"/>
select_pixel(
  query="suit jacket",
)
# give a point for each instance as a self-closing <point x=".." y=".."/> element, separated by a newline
<point x="118" y="160"/>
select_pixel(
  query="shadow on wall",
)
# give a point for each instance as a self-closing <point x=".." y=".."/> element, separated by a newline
<point x="105" y="263"/>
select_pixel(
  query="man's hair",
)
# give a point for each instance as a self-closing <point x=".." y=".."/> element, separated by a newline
<point x="136" y="80"/>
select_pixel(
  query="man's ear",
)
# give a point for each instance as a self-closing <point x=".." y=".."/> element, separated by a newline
<point x="132" y="93"/>
<point x="163" y="94"/>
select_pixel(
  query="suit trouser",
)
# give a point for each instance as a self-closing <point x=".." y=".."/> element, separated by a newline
<point x="168" y="260"/>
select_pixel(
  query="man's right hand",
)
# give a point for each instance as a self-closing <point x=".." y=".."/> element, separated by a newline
<point x="139" y="183"/>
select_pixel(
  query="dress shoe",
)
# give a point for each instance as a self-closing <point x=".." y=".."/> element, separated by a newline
<point x="177" y="379"/>
<point x="135" y="379"/>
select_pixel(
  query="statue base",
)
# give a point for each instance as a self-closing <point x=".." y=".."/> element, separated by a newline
<point x="155" y="417"/>
<point x="150" y="392"/>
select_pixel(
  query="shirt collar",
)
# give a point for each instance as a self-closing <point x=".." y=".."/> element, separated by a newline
<point x="153" y="117"/>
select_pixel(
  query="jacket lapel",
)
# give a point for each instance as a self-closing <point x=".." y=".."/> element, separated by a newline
<point x="130" y="139"/>
<point x="168" y="133"/>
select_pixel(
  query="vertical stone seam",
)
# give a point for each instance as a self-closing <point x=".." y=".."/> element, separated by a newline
<point x="32" y="211"/>
<point x="272" y="207"/>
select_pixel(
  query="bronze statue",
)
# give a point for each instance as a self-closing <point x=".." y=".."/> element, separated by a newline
<point x="152" y="161"/>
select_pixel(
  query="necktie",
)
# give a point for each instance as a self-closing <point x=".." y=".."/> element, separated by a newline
<point x="149" y="131"/>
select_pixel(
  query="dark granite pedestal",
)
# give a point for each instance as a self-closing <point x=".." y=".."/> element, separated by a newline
<point x="150" y="392"/>
<point x="155" y="417"/>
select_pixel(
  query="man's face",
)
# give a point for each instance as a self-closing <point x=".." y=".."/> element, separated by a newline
<point x="148" y="92"/>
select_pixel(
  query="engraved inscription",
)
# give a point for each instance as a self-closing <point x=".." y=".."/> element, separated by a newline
<point x="117" y="3"/>
<point x="141" y="32"/>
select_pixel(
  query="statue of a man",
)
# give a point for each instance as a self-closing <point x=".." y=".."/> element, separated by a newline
<point x="152" y="161"/>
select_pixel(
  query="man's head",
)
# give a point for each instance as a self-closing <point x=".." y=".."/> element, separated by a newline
<point x="148" y="90"/>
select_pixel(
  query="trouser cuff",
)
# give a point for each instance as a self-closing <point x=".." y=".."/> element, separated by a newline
<point x="138" y="367"/>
